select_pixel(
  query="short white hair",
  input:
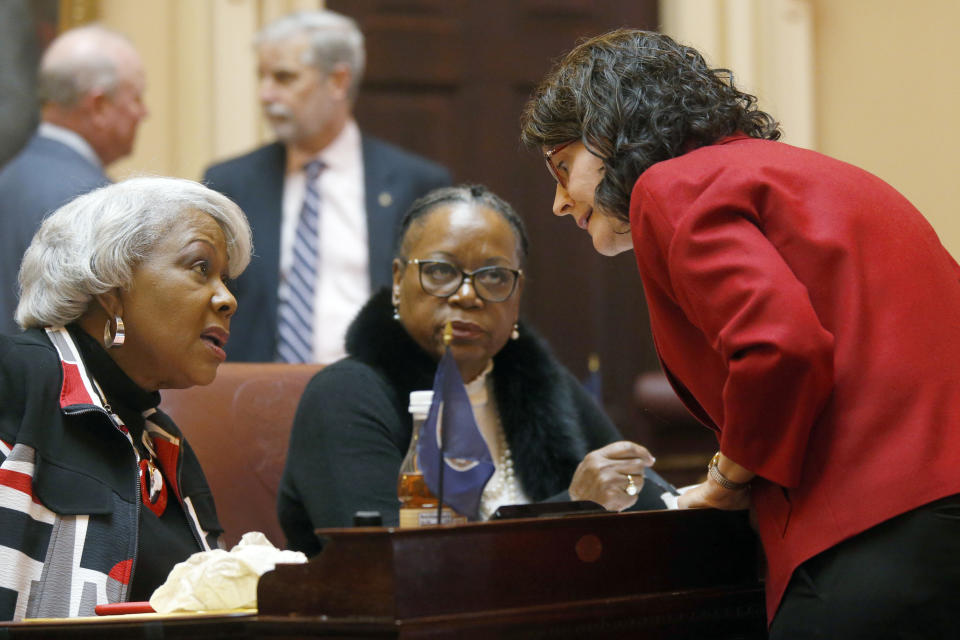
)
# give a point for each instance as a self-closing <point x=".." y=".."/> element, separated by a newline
<point x="92" y="244"/>
<point x="334" y="39"/>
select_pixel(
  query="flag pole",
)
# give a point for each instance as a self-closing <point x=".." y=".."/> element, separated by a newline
<point x="447" y="339"/>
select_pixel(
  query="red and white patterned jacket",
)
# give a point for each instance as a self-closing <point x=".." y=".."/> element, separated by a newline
<point x="70" y="484"/>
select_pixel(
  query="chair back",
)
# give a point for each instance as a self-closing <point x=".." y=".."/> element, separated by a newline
<point x="239" y="427"/>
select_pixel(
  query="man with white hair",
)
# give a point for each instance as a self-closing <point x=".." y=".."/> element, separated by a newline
<point x="324" y="201"/>
<point x="91" y="84"/>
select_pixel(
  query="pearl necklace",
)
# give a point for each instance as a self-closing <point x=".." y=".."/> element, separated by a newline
<point x="503" y="486"/>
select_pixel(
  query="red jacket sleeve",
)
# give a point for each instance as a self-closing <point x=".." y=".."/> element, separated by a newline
<point x="733" y="285"/>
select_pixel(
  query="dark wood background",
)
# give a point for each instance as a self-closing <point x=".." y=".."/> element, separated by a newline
<point x="448" y="79"/>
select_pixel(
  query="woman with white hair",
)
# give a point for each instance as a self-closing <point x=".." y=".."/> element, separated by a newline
<point x="123" y="292"/>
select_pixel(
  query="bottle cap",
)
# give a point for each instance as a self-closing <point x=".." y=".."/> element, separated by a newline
<point x="367" y="519"/>
<point x="420" y="401"/>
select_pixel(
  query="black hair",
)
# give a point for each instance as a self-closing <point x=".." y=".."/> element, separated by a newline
<point x="636" y="98"/>
<point x="475" y="194"/>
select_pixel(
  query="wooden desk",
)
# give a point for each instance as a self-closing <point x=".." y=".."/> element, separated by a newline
<point x="197" y="627"/>
<point x="652" y="576"/>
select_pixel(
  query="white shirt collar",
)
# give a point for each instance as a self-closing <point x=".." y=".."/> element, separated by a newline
<point x="477" y="388"/>
<point x="70" y="138"/>
<point x="342" y="148"/>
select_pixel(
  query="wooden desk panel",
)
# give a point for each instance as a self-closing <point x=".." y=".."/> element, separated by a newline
<point x="659" y="572"/>
<point x="650" y="576"/>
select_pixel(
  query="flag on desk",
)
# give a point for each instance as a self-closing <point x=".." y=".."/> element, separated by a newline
<point x="594" y="382"/>
<point x="467" y="465"/>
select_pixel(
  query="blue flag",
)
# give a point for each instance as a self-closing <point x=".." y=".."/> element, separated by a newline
<point x="594" y="382"/>
<point x="467" y="463"/>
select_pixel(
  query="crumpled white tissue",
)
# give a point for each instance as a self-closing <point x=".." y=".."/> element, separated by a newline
<point x="218" y="579"/>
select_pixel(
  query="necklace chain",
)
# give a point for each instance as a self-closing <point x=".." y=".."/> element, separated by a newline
<point x="502" y="487"/>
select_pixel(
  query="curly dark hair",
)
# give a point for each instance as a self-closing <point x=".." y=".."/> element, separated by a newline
<point x="475" y="194"/>
<point x="636" y="98"/>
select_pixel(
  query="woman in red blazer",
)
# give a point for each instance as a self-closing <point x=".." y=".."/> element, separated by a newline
<point x="803" y="310"/>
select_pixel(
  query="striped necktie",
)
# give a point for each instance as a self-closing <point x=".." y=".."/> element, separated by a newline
<point x="295" y="308"/>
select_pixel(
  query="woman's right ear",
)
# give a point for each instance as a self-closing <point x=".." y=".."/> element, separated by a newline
<point x="110" y="303"/>
<point x="398" y="267"/>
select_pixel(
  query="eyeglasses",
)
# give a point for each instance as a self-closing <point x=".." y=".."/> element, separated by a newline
<point x="442" y="279"/>
<point x="552" y="168"/>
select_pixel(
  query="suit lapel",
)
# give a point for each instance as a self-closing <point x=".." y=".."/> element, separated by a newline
<point x="261" y="195"/>
<point x="267" y="185"/>
<point x="381" y="203"/>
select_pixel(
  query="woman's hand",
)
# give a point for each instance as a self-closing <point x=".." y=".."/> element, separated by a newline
<point x="709" y="494"/>
<point x="713" y="493"/>
<point x="601" y="476"/>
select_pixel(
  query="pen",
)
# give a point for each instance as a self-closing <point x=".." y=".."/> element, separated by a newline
<point x="658" y="480"/>
<point x="120" y="608"/>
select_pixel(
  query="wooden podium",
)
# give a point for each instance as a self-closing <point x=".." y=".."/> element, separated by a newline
<point x="651" y="575"/>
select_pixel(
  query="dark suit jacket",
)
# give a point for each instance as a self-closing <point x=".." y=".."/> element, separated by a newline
<point x="394" y="178"/>
<point x="45" y="175"/>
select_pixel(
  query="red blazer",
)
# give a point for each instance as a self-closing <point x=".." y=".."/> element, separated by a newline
<point x="807" y="312"/>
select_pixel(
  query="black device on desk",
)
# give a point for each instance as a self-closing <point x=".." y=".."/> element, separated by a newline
<point x="545" y="510"/>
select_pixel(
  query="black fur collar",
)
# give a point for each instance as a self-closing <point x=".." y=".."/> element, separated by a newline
<point x="537" y="411"/>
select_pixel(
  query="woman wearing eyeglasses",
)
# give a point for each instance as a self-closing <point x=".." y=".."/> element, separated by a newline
<point x="460" y="259"/>
<point x="803" y="310"/>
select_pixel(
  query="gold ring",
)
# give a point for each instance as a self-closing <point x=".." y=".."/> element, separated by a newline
<point x="631" y="489"/>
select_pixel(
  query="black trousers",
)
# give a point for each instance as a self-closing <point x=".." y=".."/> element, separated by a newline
<point x="899" y="579"/>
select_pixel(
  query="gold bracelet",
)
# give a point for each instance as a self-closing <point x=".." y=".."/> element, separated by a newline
<point x="713" y="471"/>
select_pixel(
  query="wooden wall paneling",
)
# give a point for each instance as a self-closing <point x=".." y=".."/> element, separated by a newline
<point x="449" y="80"/>
<point x="413" y="70"/>
<point x="425" y="121"/>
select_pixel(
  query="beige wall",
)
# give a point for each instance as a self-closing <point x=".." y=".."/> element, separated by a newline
<point x="872" y="82"/>
<point x="201" y="85"/>
<point x="888" y="97"/>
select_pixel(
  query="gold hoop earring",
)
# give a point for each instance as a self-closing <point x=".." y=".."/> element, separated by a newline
<point x="116" y="340"/>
